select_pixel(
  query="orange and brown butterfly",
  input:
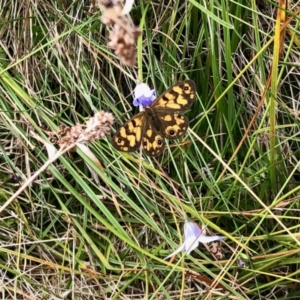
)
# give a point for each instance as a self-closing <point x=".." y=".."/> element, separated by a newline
<point x="161" y="119"/>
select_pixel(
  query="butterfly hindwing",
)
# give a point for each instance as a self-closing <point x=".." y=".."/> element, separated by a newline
<point x="153" y="140"/>
<point x="173" y="124"/>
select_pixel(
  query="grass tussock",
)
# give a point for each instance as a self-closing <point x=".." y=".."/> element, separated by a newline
<point x="81" y="220"/>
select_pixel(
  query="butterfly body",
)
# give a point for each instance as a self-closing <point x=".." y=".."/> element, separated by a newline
<point x="162" y="119"/>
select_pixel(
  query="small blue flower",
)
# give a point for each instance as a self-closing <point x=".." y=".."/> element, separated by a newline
<point x="192" y="237"/>
<point x="143" y="95"/>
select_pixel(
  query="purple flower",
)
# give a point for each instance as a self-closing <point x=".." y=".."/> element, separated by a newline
<point x="143" y="95"/>
<point x="192" y="237"/>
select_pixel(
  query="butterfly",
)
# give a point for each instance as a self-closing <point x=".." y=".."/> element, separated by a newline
<point x="162" y="119"/>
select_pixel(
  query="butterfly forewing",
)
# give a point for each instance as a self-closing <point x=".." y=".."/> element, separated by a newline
<point x="179" y="97"/>
<point x="129" y="136"/>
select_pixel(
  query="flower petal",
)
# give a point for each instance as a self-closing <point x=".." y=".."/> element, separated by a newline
<point x="207" y="239"/>
<point x="191" y="229"/>
<point x="143" y="95"/>
<point x="140" y="90"/>
<point x="190" y="244"/>
<point x="176" y="251"/>
<point x="136" y="102"/>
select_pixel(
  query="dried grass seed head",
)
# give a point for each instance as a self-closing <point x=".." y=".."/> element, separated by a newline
<point x="123" y="34"/>
<point x="96" y="127"/>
